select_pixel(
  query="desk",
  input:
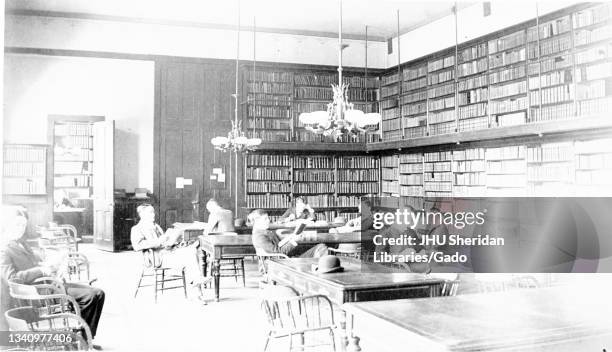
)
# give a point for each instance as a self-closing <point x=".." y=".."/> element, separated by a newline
<point x="223" y="246"/>
<point x="546" y="319"/>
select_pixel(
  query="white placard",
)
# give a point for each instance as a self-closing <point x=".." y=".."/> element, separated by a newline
<point x="180" y="182"/>
<point x="187" y="182"/>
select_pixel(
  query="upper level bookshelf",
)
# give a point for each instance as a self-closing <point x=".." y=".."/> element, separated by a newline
<point x="556" y="68"/>
<point x="24" y="169"/>
<point x="276" y="97"/>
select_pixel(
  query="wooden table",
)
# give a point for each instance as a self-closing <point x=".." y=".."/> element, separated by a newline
<point x="545" y="319"/>
<point x="231" y="246"/>
<point x="273" y="227"/>
<point x="358" y="282"/>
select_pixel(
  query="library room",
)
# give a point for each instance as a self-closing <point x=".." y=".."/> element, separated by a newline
<point x="323" y="175"/>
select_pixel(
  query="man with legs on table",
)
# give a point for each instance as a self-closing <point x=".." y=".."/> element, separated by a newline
<point x="19" y="262"/>
<point x="270" y="242"/>
<point x="173" y="253"/>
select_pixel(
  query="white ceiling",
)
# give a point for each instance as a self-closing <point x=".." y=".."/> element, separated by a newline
<point x="315" y="17"/>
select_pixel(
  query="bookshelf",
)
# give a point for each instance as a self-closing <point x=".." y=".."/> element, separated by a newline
<point x="469" y="172"/>
<point x="437" y="174"/>
<point x="73" y="160"/>
<point x="550" y="169"/>
<point x="390" y="108"/>
<point x="593" y="167"/>
<point x="24" y="169"/>
<point x="441" y="115"/>
<point x="411" y="175"/>
<point x="332" y="185"/>
<point x="506" y="171"/>
<point x="414" y="101"/>
<point x="389" y="167"/>
<point x="472" y="88"/>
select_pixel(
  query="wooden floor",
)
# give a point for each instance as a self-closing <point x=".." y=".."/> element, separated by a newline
<point x="174" y="323"/>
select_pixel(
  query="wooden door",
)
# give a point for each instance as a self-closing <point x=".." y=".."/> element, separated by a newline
<point x="103" y="183"/>
<point x="191" y="111"/>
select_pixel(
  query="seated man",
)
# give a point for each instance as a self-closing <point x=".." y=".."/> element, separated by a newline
<point x="270" y="242"/>
<point x="149" y="235"/>
<point x="298" y="211"/>
<point x="219" y="219"/>
<point x="363" y="222"/>
<point x="19" y="262"/>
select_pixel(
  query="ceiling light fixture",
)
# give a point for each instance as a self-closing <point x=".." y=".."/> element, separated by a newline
<point x="340" y="118"/>
<point x="236" y="141"/>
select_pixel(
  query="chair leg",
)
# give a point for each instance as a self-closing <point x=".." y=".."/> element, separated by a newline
<point x="155" y="286"/>
<point x="235" y="270"/>
<point x="267" y="343"/>
<point x="333" y="339"/>
<point x="163" y="280"/>
<point x="139" y="282"/>
<point x="184" y="283"/>
<point x="242" y="270"/>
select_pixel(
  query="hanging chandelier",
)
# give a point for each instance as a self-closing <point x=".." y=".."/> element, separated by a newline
<point x="340" y="118"/>
<point x="236" y="140"/>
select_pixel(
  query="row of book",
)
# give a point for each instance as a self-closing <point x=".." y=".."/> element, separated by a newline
<point x="24" y="153"/>
<point x="508" y="106"/>
<point x="472" y="124"/>
<point x="440" y="104"/>
<point x="468" y="166"/>
<point x="415" y="132"/>
<point x="389" y="103"/>
<point x="438" y="177"/>
<point x="413" y="168"/>
<point x="469" y="191"/>
<point x="507" y="58"/>
<point x="270" y="87"/>
<point x="551" y="64"/>
<point x="437" y="187"/>
<point x="268" y="160"/>
<point x="585" y="37"/>
<point x="411" y="179"/>
<point x="267" y="201"/>
<point x="440" y="77"/>
<point x="358" y="162"/>
<point x="550" y="173"/>
<point x="314" y="162"/>
<point x="358" y="188"/>
<point x="594" y="161"/>
<point x="270" y="76"/>
<point x="551" y="79"/>
<point x="20" y="186"/>
<point x="326" y="79"/>
<point x="268" y="187"/>
<point x="591" y="90"/>
<point x="442" y="90"/>
<point x="598" y="71"/>
<point x="558" y="94"/>
<point x="505" y="153"/>
<point x="469" y="154"/>
<point x="472" y="67"/>
<point x="594" y="178"/>
<point x="549" y="47"/>
<point x="414" y="109"/>
<point x="414" y="97"/>
<point x="269" y="99"/>
<point x="507" y="75"/>
<point x="271" y="173"/>
<point x="507" y="42"/>
<point x="390" y="174"/>
<point x="513" y="119"/>
<point x="389" y="161"/>
<point x="553" y="112"/>
<point x="470" y="111"/>
<point x="439" y="64"/>
<point x="473" y="96"/>
<point x="414" y="85"/>
<point x="592" y="15"/>
<point x="24" y="169"/>
<point x="550" y="29"/>
<point x="443" y="128"/>
<point x="313" y="188"/>
<point x="550" y="153"/>
<point x="269" y="123"/>
<point x="268" y="111"/>
<point x="509" y="167"/>
<point x="73" y="129"/>
<point x="437" y="166"/>
<point x="357" y="175"/>
<point x="442" y="116"/>
<point x="313" y="175"/>
<point x="407" y="191"/>
<point x="390" y="114"/>
<point x="470" y="179"/>
<point x="389" y="79"/>
<point x="272" y="136"/>
<point x="410" y="158"/>
<point x="595" y="107"/>
<point x="473" y="53"/>
<point x="414" y="73"/>
<point x="387" y="91"/>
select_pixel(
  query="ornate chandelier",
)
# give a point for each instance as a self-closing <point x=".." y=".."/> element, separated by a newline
<point x="340" y="118"/>
<point x="236" y="141"/>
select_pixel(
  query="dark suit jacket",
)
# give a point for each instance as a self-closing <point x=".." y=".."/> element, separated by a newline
<point x="16" y="262"/>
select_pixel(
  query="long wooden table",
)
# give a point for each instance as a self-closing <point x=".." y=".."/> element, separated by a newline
<point x="219" y="247"/>
<point x="545" y="319"/>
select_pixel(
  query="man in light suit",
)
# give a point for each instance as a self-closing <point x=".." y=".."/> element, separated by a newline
<point x="219" y="219"/>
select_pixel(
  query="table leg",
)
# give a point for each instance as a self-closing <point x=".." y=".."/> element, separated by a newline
<point x="217" y="275"/>
<point x="353" y="341"/>
<point x="204" y="262"/>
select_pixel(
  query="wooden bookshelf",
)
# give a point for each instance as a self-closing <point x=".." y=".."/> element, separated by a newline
<point x="411" y="175"/>
<point x="24" y="169"/>
<point x="327" y="182"/>
<point x="73" y="159"/>
<point x="389" y="166"/>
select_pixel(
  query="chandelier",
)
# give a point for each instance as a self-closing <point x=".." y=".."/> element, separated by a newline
<point x="340" y="118"/>
<point x="236" y="141"/>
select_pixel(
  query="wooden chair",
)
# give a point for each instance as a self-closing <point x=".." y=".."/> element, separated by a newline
<point x="30" y="319"/>
<point x="303" y="317"/>
<point x="262" y="257"/>
<point x="75" y="268"/>
<point x="46" y="294"/>
<point x="231" y="266"/>
<point x="153" y="267"/>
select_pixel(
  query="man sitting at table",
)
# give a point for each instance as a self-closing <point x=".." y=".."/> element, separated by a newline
<point x="361" y="223"/>
<point x="300" y="210"/>
<point x="173" y="253"/>
<point x="219" y="219"/>
<point x="270" y="242"/>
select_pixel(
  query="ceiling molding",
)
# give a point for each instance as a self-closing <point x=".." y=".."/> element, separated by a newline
<point x="112" y="18"/>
